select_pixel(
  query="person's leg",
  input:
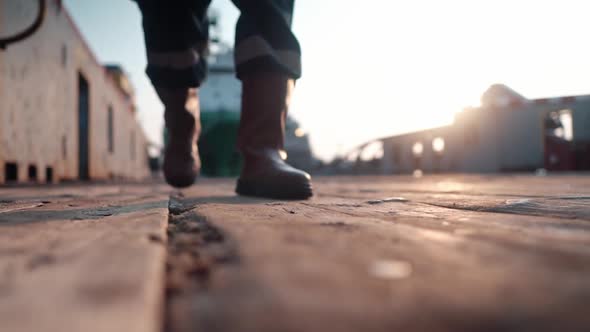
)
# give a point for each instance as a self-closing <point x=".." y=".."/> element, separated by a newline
<point x="264" y="40"/>
<point x="176" y="37"/>
<point x="267" y="57"/>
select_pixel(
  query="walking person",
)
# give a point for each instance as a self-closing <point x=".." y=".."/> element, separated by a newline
<point x="267" y="61"/>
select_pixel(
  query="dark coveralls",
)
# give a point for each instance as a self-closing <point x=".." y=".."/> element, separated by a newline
<point x="177" y="34"/>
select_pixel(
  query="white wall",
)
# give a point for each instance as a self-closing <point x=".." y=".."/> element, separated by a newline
<point x="39" y="101"/>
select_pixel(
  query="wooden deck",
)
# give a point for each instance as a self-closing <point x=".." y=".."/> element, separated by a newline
<point x="82" y="258"/>
<point x="439" y="253"/>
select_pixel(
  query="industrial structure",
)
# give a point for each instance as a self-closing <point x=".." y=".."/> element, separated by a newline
<point x="507" y="133"/>
<point x="63" y="115"/>
<point x="220" y="103"/>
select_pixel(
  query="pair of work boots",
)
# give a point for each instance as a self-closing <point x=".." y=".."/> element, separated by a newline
<point x="265" y="100"/>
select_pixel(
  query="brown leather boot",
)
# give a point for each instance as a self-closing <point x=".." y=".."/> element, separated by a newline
<point x="181" y="156"/>
<point x="265" y="100"/>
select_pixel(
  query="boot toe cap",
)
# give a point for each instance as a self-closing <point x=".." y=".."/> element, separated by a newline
<point x="181" y="175"/>
<point x="285" y="185"/>
<point x="181" y="180"/>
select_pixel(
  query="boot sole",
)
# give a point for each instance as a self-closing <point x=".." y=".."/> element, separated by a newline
<point x="181" y="182"/>
<point x="186" y="177"/>
<point x="246" y="188"/>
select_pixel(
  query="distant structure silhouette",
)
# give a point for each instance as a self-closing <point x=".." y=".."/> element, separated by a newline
<point x="507" y="133"/>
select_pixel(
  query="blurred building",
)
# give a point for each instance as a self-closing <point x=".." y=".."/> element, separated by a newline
<point x="220" y="102"/>
<point x="219" y="99"/>
<point x="297" y="147"/>
<point x="63" y="115"/>
<point x="507" y="133"/>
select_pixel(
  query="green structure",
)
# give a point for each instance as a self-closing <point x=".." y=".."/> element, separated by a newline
<point x="217" y="144"/>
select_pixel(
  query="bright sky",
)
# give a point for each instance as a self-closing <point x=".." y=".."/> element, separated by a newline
<point x="377" y="68"/>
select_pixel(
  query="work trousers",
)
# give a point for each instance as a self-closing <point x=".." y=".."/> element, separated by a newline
<point x="177" y="36"/>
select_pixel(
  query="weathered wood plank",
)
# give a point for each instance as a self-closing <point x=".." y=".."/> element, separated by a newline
<point x="340" y="263"/>
<point x="87" y="259"/>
